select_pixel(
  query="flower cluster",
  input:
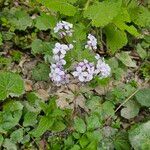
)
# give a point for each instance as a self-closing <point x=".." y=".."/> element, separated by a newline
<point x="84" y="71"/>
<point x="102" y="69"/>
<point x="91" y="43"/>
<point x="63" y="28"/>
<point x="58" y="75"/>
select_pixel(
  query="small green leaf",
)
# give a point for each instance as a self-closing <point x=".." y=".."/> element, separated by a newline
<point x="79" y="125"/>
<point x="1" y="40"/>
<point x="17" y="135"/>
<point x="143" y="97"/>
<point x="93" y="122"/>
<point x="142" y="53"/>
<point x="125" y="58"/>
<point x="40" y="47"/>
<point x="83" y="141"/>
<point x="44" y="124"/>
<point x="75" y="147"/>
<point x="45" y="22"/>
<point x="9" y="145"/>
<point x="41" y="72"/>
<point x="58" y="126"/>
<point x="140" y="136"/>
<point x="11" y="84"/>
<point x="1" y="140"/>
<point x="30" y="119"/>
<point x="131" y="110"/>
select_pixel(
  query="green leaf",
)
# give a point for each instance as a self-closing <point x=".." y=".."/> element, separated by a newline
<point x="63" y="7"/>
<point x="41" y="72"/>
<point x="121" y="141"/>
<point x="115" y="38"/>
<point x="92" y="122"/>
<point x="45" y="22"/>
<point x="143" y="97"/>
<point x="44" y="124"/>
<point x="12" y="106"/>
<point x="9" y="145"/>
<point x="17" y="136"/>
<point x="83" y="141"/>
<point x="125" y="58"/>
<point x="21" y="20"/>
<point x="131" y="110"/>
<point x="30" y="119"/>
<point x="142" y="53"/>
<point x="140" y="16"/>
<point x="58" y="126"/>
<point x="79" y="125"/>
<point x="75" y="147"/>
<point x="40" y="47"/>
<point x="1" y="40"/>
<point x="11" y="84"/>
<point x="1" y="140"/>
<point x="102" y="13"/>
<point x="140" y="136"/>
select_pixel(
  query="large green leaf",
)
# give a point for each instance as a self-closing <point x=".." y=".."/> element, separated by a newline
<point x="60" y="6"/>
<point x="115" y="38"/>
<point x="11" y="84"/>
<point x="102" y="13"/>
<point x="140" y="137"/>
<point x="143" y="97"/>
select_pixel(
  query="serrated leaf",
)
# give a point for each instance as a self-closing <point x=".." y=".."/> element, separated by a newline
<point x="140" y="136"/>
<point x="21" y="20"/>
<point x="125" y="58"/>
<point x="58" y="126"/>
<point x="45" y="22"/>
<point x="115" y="38"/>
<point x="41" y="72"/>
<point x="143" y="97"/>
<point x="11" y="84"/>
<point x="9" y="145"/>
<point x="131" y="110"/>
<point x="60" y="6"/>
<point x="102" y="13"/>
<point x="79" y="125"/>
<point x="30" y="119"/>
<point x="17" y="135"/>
<point x="44" y="124"/>
<point x="121" y="21"/>
<point x="40" y="47"/>
<point x="140" y="16"/>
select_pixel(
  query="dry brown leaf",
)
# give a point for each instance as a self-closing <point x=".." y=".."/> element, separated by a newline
<point x="43" y="94"/>
<point x="28" y="85"/>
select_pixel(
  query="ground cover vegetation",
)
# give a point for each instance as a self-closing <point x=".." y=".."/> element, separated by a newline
<point x="74" y="74"/>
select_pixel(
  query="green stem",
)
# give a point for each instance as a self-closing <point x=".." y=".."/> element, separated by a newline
<point x="87" y="4"/>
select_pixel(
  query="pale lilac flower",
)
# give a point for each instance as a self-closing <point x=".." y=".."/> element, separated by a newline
<point x="91" y="43"/>
<point x="63" y="28"/>
<point x="84" y="71"/>
<point x="102" y="68"/>
<point x="58" y="75"/>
